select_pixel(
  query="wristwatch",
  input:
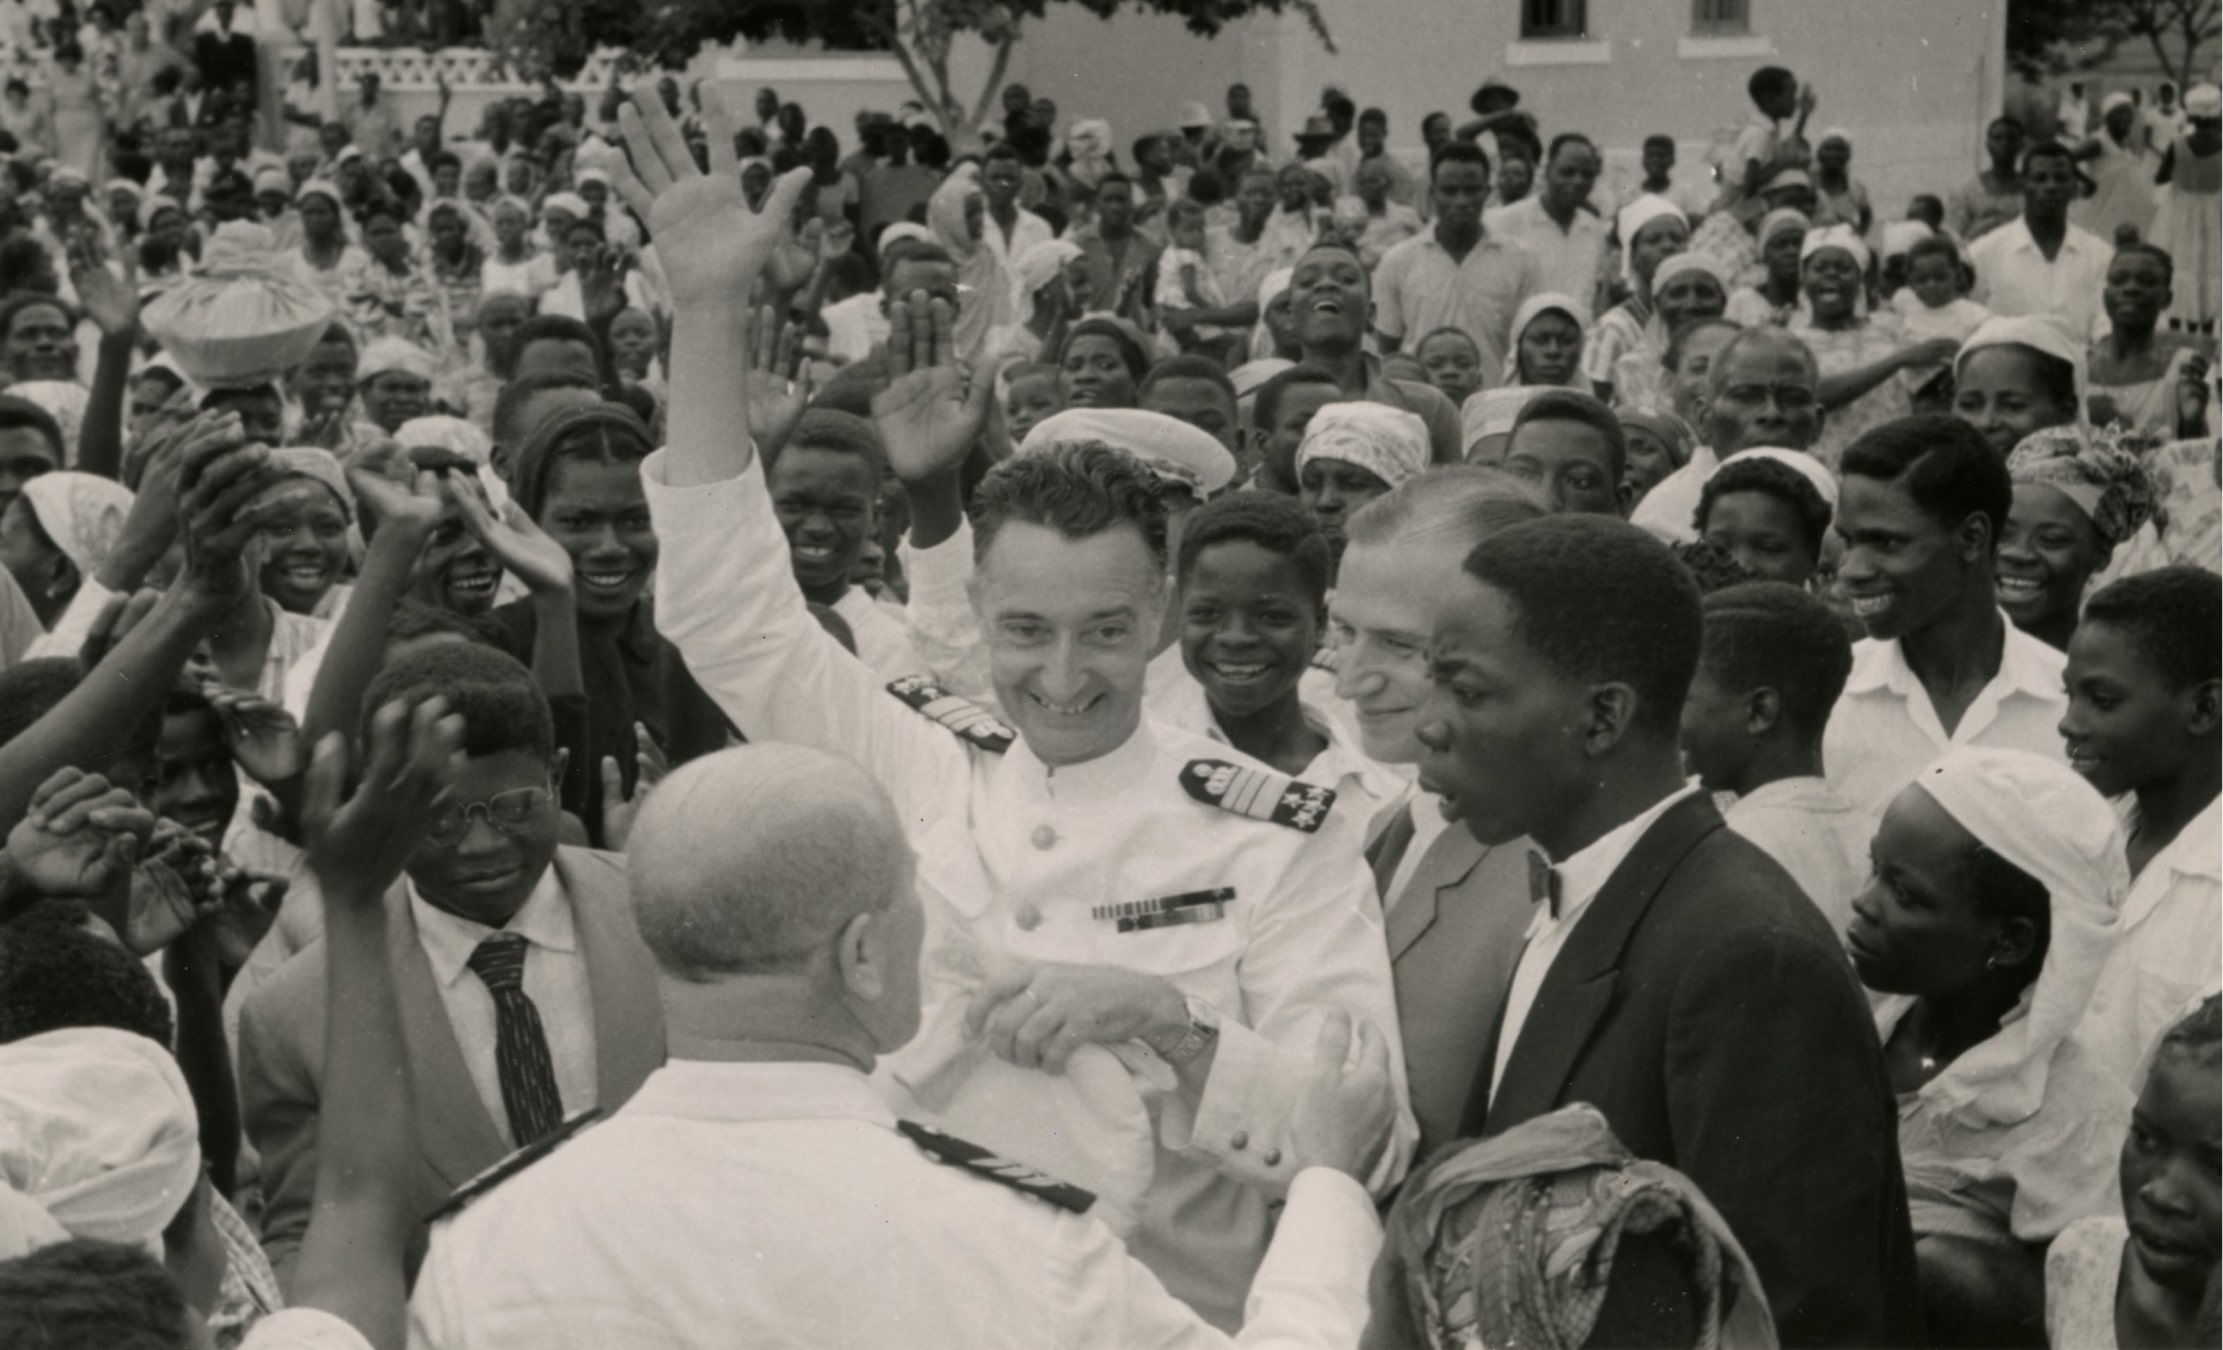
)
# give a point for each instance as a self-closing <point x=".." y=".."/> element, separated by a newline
<point x="1204" y="1028"/>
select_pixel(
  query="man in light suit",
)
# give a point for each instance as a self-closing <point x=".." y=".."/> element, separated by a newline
<point x="1674" y="976"/>
<point x="526" y="993"/>
<point x="1454" y="908"/>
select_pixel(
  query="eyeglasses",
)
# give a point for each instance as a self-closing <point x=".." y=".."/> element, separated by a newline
<point x="509" y="812"/>
<point x="1788" y="397"/>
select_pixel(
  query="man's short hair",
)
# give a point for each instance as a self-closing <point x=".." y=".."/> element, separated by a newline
<point x="1186" y="366"/>
<point x="1265" y="406"/>
<point x="1769" y="635"/>
<point x="840" y="433"/>
<point x="1002" y="150"/>
<point x="55" y="975"/>
<point x="1572" y="405"/>
<point x="2173" y="618"/>
<point x="1769" y="81"/>
<point x="501" y="704"/>
<point x="1767" y="334"/>
<point x="1375" y="116"/>
<point x="1601" y="601"/>
<point x="555" y="328"/>
<point x="908" y="251"/>
<point x="1464" y="503"/>
<point x="1659" y="141"/>
<point x="2048" y="149"/>
<point x="1770" y="478"/>
<point x="1673" y="360"/>
<point x="1457" y="152"/>
<point x="509" y="405"/>
<point x="1114" y="179"/>
<point x="1945" y="464"/>
<point x="85" y="1294"/>
<point x="445" y="159"/>
<point x="17" y="412"/>
<point x="1567" y="138"/>
<point x="2142" y="249"/>
<point x="1079" y="489"/>
<point x="815" y="838"/>
<point x="1275" y="523"/>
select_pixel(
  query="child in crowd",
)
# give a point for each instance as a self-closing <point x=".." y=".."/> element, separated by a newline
<point x="1030" y="393"/>
<point x="1185" y="278"/>
<point x="2146" y="1277"/>
<point x="1774" y="661"/>
<point x="1452" y="362"/>
<point x="1770" y="511"/>
<point x="1934" y="303"/>
<point x="1572" y="447"/>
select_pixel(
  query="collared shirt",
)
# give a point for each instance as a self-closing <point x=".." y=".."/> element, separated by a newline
<point x="1419" y="288"/>
<point x="2013" y="277"/>
<point x="1809" y="827"/>
<point x="883" y="637"/>
<point x="1026" y="859"/>
<point x="374" y="129"/>
<point x="1667" y="510"/>
<point x="2169" y="948"/>
<point x="1757" y="139"/>
<point x="1581" y="877"/>
<point x="1239" y="269"/>
<point x="555" y="980"/>
<point x="1570" y="256"/>
<point x="1884" y="729"/>
<point x="1027" y="230"/>
<point x="627" y="1235"/>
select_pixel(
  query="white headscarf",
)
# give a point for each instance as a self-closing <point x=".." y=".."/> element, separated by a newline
<point x="1532" y="309"/>
<point x="1040" y="264"/>
<point x="83" y="513"/>
<point x="1834" y="236"/>
<point x="1901" y="235"/>
<point x="2037" y="333"/>
<point x="1389" y="443"/>
<point x="393" y="353"/>
<point x="1632" y="220"/>
<point x="98" y="1130"/>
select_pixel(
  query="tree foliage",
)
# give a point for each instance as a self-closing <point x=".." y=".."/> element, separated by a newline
<point x="537" y="38"/>
<point x="2050" y="37"/>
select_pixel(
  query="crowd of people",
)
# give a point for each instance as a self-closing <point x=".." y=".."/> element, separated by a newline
<point x="659" y="727"/>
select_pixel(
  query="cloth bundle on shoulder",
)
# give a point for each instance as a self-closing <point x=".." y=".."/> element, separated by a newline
<point x="246" y="318"/>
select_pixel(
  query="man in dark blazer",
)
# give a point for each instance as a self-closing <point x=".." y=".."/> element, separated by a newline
<point x="527" y="994"/>
<point x="1673" y="976"/>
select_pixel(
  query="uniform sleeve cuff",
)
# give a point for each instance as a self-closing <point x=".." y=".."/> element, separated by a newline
<point x="1242" y="1119"/>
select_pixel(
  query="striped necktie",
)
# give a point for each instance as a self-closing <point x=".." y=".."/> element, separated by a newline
<point x="528" y="1075"/>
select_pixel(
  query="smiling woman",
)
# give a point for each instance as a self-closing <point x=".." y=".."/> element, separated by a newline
<point x="305" y="537"/>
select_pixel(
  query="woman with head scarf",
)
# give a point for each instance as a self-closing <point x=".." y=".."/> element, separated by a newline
<point x="2016" y="376"/>
<point x="330" y="260"/>
<point x="2080" y="495"/>
<point x="2186" y="221"/>
<point x="1545" y="343"/>
<point x="1859" y="354"/>
<point x="516" y="264"/>
<point x="1687" y="289"/>
<point x="1651" y="230"/>
<point x="1659" y="444"/>
<point x="307" y="537"/>
<point x="1997" y="876"/>
<point x="1774" y="297"/>
<point x="1554" y="1234"/>
<point x="57" y="533"/>
<point x="1352" y="453"/>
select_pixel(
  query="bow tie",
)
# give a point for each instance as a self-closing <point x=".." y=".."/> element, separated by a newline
<point x="1543" y="882"/>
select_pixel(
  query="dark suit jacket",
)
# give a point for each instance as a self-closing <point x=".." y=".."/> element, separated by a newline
<point x="1703" y="1005"/>
<point x="281" y="1052"/>
<point x="1454" y="936"/>
<point x="224" y="60"/>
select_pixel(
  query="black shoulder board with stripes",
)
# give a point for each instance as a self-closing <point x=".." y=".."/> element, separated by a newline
<point x="470" y="1191"/>
<point x="1260" y="794"/>
<point x="980" y="1162"/>
<point x="969" y="721"/>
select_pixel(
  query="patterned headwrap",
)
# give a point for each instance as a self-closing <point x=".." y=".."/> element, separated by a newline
<point x="1389" y="443"/>
<point x="1670" y="431"/>
<point x="83" y="513"/>
<point x="1512" y="1241"/>
<point x="319" y="466"/>
<point x="2108" y="483"/>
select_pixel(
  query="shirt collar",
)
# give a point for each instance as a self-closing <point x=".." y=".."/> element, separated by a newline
<point x="1586" y="871"/>
<point x="700" y="1089"/>
<point x="1100" y="779"/>
<point x="1879" y="666"/>
<point x="544" y="920"/>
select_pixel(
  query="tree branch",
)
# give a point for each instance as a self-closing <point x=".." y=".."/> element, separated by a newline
<point x="994" y="83"/>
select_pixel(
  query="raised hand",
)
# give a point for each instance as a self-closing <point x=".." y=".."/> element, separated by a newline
<point x="932" y="410"/>
<point x="412" y="501"/>
<point x="111" y="301"/>
<point x="710" y="243"/>
<point x="2192" y="397"/>
<point x="80" y="838"/>
<point x="619" y="810"/>
<point x="220" y="475"/>
<point x="602" y="284"/>
<point x="1036" y="1014"/>
<point x="516" y="542"/>
<point x="359" y="842"/>
<point x="1342" y="1117"/>
<point x="264" y="738"/>
<point x="779" y="387"/>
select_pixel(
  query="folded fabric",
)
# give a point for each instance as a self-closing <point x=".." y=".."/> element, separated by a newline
<point x="1389" y="443"/>
<point x="83" y="513"/>
<point x="246" y="318"/>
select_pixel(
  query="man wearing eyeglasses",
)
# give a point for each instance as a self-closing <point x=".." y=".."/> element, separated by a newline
<point x="527" y="996"/>
<point x="1764" y="390"/>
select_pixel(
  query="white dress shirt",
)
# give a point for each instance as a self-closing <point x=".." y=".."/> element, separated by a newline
<point x="1884" y="730"/>
<point x="854" y="327"/>
<point x="883" y="637"/>
<point x="776" y="1205"/>
<point x="1570" y="257"/>
<point x="1818" y="837"/>
<point x="2169" y="951"/>
<point x="1667" y="511"/>
<point x="1581" y="877"/>
<point x="555" y="980"/>
<point x="2013" y="278"/>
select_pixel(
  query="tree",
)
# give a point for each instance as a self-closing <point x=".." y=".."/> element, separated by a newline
<point x="2050" y="37"/>
<point x="537" y="38"/>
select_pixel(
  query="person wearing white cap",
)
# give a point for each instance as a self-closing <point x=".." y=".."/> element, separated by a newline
<point x="396" y="377"/>
<point x="618" y="226"/>
<point x="1039" y="842"/>
<point x="1859" y="354"/>
<point x="58" y="532"/>
<point x="2186" y="222"/>
<point x="1352" y="453"/>
<point x="2041" y="264"/>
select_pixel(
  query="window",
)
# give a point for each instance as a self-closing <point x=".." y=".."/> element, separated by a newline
<point x="1720" y="18"/>
<point x="1552" y="19"/>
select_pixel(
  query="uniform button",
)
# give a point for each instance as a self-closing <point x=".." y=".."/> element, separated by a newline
<point x="1273" y="1157"/>
<point x="1044" y="836"/>
<point x="1028" y="917"/>
<point x="1239" y="1140"/>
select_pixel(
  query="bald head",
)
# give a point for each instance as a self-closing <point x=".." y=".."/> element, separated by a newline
<point x="748" y="861"/>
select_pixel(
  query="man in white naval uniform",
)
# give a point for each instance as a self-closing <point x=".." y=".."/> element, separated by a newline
<point x="1111" y="881"/>
<point x="756" y="1191"/>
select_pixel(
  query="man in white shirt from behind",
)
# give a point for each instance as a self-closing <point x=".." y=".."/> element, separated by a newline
<point x="778" y="996"/>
